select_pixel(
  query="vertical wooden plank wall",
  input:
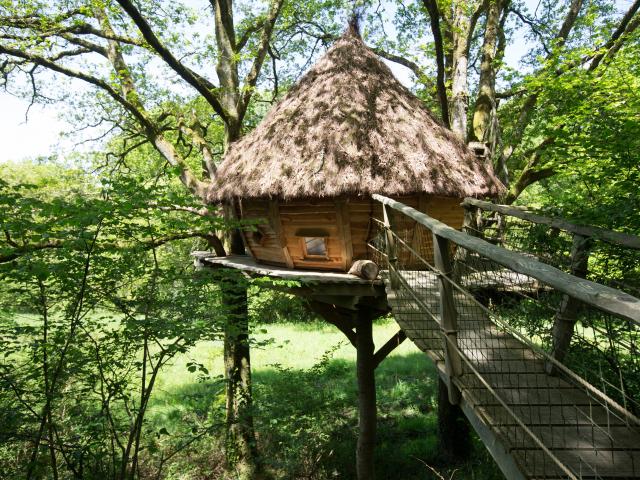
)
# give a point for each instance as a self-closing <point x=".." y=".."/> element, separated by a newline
<point x="269" y="250"/>
<point x="346" y="221"/>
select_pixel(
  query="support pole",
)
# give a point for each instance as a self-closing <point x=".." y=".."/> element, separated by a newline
<point x="367" y="410"/>
<point x="453" y="428"/>
<point x="391" y="247"/>
<point x="448" y="315"/>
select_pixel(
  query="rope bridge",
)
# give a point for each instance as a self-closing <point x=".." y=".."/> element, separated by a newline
<point x="544" y="363"/>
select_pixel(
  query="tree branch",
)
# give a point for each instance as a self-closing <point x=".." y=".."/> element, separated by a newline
<point x="405" y="62"/>
<point x="434" y="15"/>
<point x="27" y="249"/>
<point x="628" y="24"/>
<point x="252" y="77"/>
<point x="195" y="80"/>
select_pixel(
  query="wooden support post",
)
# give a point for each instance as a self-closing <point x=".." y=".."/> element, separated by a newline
<point x="567" y="314"/>
<point x="367" y="410"/>
<point x="391" y="247"/>
<point x="448" y="315"/>
<point x="453" y="428"/>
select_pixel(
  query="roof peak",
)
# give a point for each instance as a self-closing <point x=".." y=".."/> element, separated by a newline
<point x="348" y="127"/>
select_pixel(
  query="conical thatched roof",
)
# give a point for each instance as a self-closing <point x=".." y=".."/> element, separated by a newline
<point x="349" y="127"/>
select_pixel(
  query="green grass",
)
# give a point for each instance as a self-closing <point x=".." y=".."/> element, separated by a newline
<point x="305" y="408"/>
<point x="305" y="399"/>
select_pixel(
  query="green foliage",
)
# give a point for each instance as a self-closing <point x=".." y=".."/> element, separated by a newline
<point x="270" y="306"/>
<point x="99" y="303"/>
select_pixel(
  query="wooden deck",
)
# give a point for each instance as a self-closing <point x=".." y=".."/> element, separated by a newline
<point x="589" y="439"/>
<point x="249" y="265"/>
<point x="334" y="288"/>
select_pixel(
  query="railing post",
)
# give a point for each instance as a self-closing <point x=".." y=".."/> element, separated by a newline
<point x="470" y="222"/>
<point x="448" y="315"/>
<point x="567" y="314"/>
<point x="391" y="247"/>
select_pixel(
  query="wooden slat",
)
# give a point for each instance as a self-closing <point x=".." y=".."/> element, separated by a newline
<point x="343" y="222"/>
<point x="275" y="220"/>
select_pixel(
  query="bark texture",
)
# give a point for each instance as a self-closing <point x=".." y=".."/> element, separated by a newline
<point x="486" y="101"/>
<point x="241" y="451"/>
<point x="465" y="15"/>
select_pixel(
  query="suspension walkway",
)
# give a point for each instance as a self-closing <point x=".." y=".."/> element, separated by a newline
<point x="556" y="406"/>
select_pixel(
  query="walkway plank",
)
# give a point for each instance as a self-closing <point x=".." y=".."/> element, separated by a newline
<point x="590" y="440"/>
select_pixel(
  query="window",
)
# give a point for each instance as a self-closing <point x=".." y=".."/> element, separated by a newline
<point x="315" y="247"/>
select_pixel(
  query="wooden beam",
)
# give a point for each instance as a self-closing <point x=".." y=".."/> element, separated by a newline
<point x="391" y="344"/>
<point x="276" y="224"/>
<point x="243" y="233"/>
<point x="341" y="320"/>
<point x="492" y="442"/>
<point x="392" y="251"/>
<point x="616" y="238"/>
<point x="448" y="315"/>
<point x="344" y="230"/>
<point x="591" y="293"/>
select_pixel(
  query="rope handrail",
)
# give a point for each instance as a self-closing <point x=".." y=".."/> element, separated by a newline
<point x="600" y="296"/>
<point x="610" y="236"/>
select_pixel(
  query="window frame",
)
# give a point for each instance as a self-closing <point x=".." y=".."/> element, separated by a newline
<point x="311" y="256"/>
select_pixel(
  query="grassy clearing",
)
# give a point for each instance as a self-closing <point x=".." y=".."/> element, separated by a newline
<point x="305" y="399"/>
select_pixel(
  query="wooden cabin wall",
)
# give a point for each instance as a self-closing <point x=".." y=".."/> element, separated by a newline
<point x="445" y="209"/>
<point x="270" y="249"/>
<point x="313" y="214"/>
<point x="347" y="223"/>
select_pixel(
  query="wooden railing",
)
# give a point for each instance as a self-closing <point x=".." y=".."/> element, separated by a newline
<point x="585" y="241"/>
<point x="461" y="271"/>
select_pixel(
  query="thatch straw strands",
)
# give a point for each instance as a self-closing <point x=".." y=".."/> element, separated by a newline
<point x="350" y="128"/>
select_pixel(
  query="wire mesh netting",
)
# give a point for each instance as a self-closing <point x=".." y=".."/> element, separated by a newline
<point x="609" y="263"/>
<point x="562" y="408"/>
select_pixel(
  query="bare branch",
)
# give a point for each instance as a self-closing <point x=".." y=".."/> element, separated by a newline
<point x="204" y="87"/>
<point x="252" y="77"/>
<point x="405" y="62"/>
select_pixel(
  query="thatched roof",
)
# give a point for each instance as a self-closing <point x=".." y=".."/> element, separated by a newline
<point x="349" y="127"/>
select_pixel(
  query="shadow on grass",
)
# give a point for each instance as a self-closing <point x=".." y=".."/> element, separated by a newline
<point x="306" y="420"/>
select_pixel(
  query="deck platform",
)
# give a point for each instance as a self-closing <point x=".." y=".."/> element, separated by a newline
<point x="506" y="394"/>
<point x="250" y="266"/>
<point x="340" y="289"/>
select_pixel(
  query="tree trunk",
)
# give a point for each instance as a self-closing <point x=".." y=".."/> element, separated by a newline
<point x="463" y="23"/>
<point x="453" y="428"/>
<point x="567" y="315"/>
<point x="241" y="451"/>
<point x="434" y="17"/>
<point x="365" y="367"/>
<point x="486" y="102"/>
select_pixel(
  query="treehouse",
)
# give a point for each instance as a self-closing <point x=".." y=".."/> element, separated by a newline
<point x="346" y="130"/>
